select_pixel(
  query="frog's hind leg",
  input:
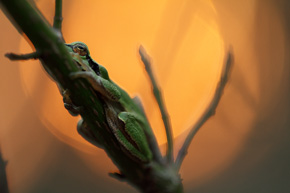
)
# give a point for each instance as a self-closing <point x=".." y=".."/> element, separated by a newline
<point x="137" y="135"/>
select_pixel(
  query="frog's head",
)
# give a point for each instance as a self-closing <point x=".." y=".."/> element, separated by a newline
<point x="79" y="48"/>
<point x="82" y="50"/>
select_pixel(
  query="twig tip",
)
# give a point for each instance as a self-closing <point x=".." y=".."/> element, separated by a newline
<point x="9" y="56"/>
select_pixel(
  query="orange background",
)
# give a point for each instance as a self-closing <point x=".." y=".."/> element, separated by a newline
<point x="235" y="151"/>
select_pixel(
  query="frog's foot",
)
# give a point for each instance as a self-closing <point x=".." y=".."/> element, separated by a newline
<point x="106" y="88"/>
<point x="72" y="109"/>
<point x="118" y="175"/>
<point x="68" y="104"/>
<point x="87" y="133"/>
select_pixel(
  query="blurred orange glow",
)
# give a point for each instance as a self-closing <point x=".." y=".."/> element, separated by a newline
<point x="184" y="63"/>
<point x="247" y="138"/>
<point x="187" y="52"/>
<point x="187" y="49"/>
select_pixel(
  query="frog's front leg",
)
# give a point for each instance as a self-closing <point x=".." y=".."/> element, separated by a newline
<point x="87" y="133"/>
<point x="101" y="85"/>
<point x="68" y="104"/>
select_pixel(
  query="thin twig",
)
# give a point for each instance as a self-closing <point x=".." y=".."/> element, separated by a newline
<point x="33" y="55"/>
<point x="158" y="96"/>
<point x="57" y="22"/>
<point x="210" y="111"/>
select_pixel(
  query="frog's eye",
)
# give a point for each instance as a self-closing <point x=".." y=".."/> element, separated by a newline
<point x="81" y="50"/>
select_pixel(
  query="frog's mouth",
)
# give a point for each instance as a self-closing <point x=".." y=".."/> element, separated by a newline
<point x="68" y="45"/>
<point x="79" y="65"/>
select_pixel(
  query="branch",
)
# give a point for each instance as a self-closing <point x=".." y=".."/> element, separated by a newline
<point x="210" y="110"/>
<point x="147" y="177"/>
<point x="158" y="96"/>
<point x="58" y="62"/>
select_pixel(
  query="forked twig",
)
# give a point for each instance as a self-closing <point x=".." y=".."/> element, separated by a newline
<point x="158" y="96"/>
<point x="210" y="110"/>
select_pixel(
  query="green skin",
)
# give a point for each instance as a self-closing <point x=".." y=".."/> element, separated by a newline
<point x="124" y="115"/>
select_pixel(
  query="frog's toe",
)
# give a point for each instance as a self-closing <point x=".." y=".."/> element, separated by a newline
<point x="72" y="109"/>
<point x="76" y="75"/>
<point x="82" y="74"/>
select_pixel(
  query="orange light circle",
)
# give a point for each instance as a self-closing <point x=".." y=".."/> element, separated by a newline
<point x="187" y="51"/>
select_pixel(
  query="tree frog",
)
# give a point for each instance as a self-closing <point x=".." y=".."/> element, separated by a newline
<point x="125" y="118"/>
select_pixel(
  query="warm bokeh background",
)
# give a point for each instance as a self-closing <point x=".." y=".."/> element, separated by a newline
<point x="245" y="147"/>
